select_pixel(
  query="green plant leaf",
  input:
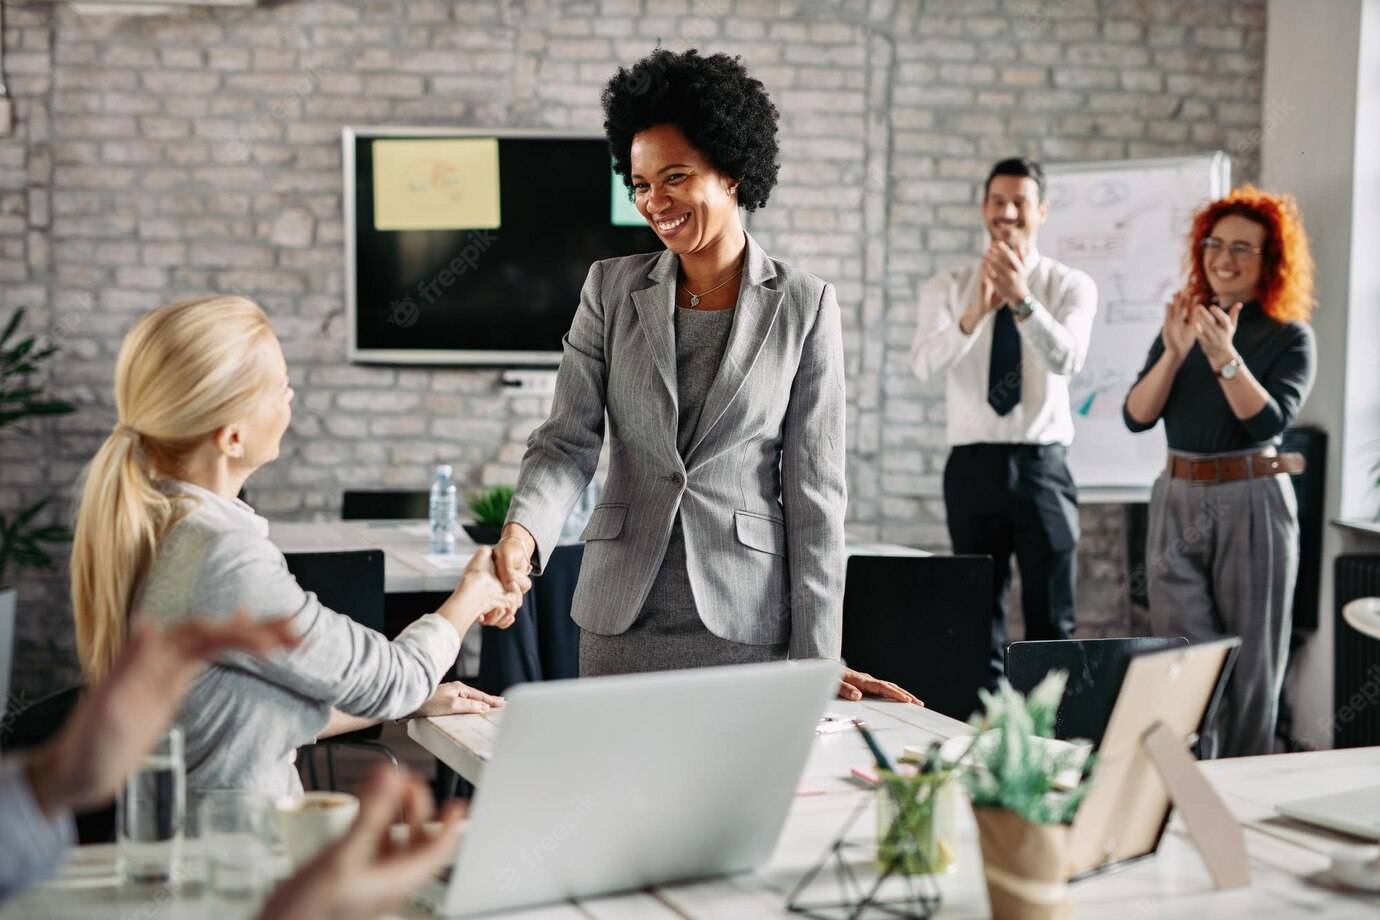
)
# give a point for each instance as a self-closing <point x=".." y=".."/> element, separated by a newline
<point x="490" y="506"/>
<point x="20" y="535"/>
<point x="12" y="325"/>
<point x="1014" y="770"/>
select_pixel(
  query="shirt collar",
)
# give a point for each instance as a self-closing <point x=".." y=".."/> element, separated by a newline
<point x="233" y="509"/>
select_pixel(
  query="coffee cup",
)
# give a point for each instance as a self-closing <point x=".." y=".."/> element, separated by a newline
<point x="310" y="822"/>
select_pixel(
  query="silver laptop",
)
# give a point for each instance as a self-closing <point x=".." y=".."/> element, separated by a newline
<point x="616" y="783"/>
<point x="1356" y="812"/>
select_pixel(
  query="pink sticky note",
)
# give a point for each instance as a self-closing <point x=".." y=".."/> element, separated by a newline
<point x="808" y="788"/>
<point x="867" y="775"/>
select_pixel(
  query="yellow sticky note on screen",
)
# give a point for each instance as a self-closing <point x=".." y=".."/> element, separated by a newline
<point x="449" y="184"/>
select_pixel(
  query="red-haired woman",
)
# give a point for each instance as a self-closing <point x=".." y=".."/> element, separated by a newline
<point x="1231" y="367"/>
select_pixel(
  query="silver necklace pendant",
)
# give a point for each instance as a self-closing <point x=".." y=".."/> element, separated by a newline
<point x="694" y="301"/>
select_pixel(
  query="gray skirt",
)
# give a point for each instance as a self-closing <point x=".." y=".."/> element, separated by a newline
<point x="668" y="633"/>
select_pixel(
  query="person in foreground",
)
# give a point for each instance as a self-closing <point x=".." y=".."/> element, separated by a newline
<point x="720" y="536"/>
<point x="1228" y="373"/>
<point x="203" y="397"/>
<point x="365" y="874"/>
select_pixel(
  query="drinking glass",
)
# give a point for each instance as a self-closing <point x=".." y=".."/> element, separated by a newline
<point x="233" y="828"/>
<point x="150" y="813"/>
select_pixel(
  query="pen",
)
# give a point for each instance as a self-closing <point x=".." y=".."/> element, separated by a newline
<point x="882" y="762"/>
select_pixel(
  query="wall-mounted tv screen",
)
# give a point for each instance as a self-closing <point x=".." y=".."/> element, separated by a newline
<point x="470" y="246"/>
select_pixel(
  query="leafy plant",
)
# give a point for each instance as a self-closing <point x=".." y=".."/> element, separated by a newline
<point x="490" y="506"/>
<point x="1014" y="764"/>
<point x="20" y="536"/>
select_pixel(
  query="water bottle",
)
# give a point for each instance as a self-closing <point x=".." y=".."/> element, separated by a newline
<point x="443" y="512"/>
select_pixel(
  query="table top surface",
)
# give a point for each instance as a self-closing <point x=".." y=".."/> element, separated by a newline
<point x="1288" y="860"/>
<point x="407" y="567"/>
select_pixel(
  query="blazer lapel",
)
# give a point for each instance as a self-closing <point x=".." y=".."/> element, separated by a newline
<point x="654" y="305"/>
<point x="756" y="312"/>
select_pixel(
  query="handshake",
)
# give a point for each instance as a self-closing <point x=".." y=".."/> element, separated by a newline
<point x="494" y="582"/>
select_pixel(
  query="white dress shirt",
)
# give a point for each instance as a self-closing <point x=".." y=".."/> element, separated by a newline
<point x="1054" y="344"/>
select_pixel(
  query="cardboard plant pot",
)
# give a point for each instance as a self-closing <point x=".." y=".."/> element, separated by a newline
<point x="1025" y="865"/>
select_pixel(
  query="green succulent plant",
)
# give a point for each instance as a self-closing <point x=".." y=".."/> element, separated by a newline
<point x="490" y="506"/>
<point x="21" y="535"/>
<point x="1013" y="766"/>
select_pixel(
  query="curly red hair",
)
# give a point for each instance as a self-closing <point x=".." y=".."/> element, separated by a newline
<point x="1286" y="271"/>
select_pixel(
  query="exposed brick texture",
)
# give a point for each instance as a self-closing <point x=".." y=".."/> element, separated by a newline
<point x="158" y="157"/>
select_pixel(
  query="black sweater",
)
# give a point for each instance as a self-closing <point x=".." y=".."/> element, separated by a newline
<point x="1197" y="417"/>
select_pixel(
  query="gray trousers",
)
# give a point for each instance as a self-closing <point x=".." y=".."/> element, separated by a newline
<point x="1221" y="560"/>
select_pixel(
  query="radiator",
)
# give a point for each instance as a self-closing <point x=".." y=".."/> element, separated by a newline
<point x="1356" y="680"/>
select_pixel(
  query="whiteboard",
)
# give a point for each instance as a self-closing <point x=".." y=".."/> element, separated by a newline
<point x="1125" y="223"/>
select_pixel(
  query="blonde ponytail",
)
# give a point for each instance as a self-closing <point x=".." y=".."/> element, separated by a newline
<point x="184" y="371"/>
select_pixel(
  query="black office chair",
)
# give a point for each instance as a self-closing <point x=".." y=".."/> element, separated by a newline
<point x="923" y="622"/>
<point x="1096" y="668"/>
<point x="33" y="727"/>
<point x="384" y="505"/>
<point x="350" y="583"/>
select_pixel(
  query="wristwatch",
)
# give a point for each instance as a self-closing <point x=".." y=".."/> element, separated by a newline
<point x="1025" y="307"/>
<point x="1230" y="369"/>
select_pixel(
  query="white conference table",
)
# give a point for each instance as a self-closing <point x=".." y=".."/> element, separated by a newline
<point x="1287" y="860"/>
<point x="407" y="568"/>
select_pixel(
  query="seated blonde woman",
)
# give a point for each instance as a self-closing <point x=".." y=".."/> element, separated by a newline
<point x="203" y="397"/>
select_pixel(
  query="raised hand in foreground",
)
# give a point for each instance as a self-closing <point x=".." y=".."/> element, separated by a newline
<point x="118" y="720"/>
<point x="369" y="872"/>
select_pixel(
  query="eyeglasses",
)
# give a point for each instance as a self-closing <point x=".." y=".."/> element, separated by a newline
<point x="1238" y="249"/>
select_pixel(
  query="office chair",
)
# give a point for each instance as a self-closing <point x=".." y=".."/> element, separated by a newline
<point x="351" y="583"/>
<point x="34" y="726"/>
<point x="358" y="505"/>
<point x="1096" y="668"/>
<point x="923" y="622"/>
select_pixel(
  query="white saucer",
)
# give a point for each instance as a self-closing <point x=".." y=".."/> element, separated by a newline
<point x="1364" y="615"/>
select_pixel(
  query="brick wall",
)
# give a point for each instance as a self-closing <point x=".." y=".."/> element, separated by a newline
<point x="157" y="157"/>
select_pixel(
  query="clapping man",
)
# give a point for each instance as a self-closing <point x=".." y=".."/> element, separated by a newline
<point x="1008" y="332"/>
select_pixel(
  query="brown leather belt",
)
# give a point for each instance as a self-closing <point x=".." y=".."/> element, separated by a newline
<point x="1207" y="470"/>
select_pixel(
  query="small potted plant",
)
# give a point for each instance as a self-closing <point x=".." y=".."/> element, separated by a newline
<point x="22" y="535"/>
<point x="1025" y="789"/>
<point x="490" y="509"/>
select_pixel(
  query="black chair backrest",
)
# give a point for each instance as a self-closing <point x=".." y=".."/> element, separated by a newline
<point x="1096" y="668"/>
<point x="35" y="725"/>
<point x="378" y="506"/>
<point x="39" y="721"/>
<point x="348" y="582"/>
<point x="923" y="622"/>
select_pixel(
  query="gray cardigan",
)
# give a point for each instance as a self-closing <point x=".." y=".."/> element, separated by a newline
<point x="245" y="717"/>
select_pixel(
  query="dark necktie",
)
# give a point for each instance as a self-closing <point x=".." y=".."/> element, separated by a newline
<point x="1004" y="376"/>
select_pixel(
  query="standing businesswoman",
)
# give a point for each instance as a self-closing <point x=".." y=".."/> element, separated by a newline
<point x="1231" y="367"/>
<point x="203" y="397"/>
<point x="720" y="370"/>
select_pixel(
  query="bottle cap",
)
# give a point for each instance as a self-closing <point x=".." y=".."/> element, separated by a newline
<point x="443" y="470"/>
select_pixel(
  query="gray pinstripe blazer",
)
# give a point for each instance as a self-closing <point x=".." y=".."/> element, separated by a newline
<point x="761" y="489"/>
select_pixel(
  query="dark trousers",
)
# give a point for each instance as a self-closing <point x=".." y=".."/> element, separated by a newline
<point x="1018" y="498"/>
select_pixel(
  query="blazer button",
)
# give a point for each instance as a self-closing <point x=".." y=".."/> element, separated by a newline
<point x="676" y="479"/>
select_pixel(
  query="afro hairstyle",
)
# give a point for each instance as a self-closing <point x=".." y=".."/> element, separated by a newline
<point x="721" y="109"/>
